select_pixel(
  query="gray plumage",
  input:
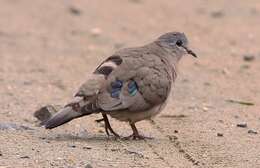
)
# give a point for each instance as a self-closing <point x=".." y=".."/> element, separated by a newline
<point x="131" y="85"/>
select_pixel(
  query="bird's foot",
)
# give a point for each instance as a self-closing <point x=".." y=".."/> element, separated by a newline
<point x="108" y="127"/>
<point x="136" y="137"/>
<point x="110" y="130"/>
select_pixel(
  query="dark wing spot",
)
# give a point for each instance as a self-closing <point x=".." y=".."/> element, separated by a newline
<point x="105" y="70"/>
<point x="116" y="59"/>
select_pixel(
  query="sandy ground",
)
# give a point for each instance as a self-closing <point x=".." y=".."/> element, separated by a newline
<point x="48" y="48"/>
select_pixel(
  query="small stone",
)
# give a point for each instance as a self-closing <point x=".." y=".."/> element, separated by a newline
<point x="74" y="11"/>
<point x="242" y="125"/>
<point x="135" y="1"/>
<point x="217" y="14"/>
<point x="59" y="158"/>
<point x="72" y="146"/>
<point x="96" y="31"/>
<point x="88" y="166"/>
<point x="221" y="121"/>
<point x="249" y="57"/>
<point x="252" y="132"/>
<point x="1" y="153"/>
<point x="176" y="131"/>
<point x="27" y="82"/>
<point x="25" y="157"/>
<point x="181" y="150"/>
<point x="46" y="112"/>
<point x="207" y="83"/>
<point x="114" y="149"/>
<point x="87" y="147"/>
<point x="219" y="134"/>
<point x="205" y="109"/>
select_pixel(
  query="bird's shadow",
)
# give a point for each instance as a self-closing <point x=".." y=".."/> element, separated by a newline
<point x="89" y="138"/>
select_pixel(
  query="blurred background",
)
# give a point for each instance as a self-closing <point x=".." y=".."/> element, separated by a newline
<point x="48" y="48"/>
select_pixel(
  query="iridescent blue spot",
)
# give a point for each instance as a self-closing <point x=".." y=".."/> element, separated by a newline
<point x="116" y="88"/>
<point x="132" y="88"/>
<point x="117" y="84"/>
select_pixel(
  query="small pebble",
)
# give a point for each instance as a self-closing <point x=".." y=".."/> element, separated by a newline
<point x="176" y="131"/>
<point x="219" y="134"/>
<point x="205" y="109"/>
<point x="252" y="132"/>
<point x="88" y="166"/>
<point x="59" y="158"/>
<point x="181" y="150"/>
<point x="135" y="1"/>
<point x="217" y="14"/>
<point x="248" y="57"/>
<point x="95" y="31"/>
<point x="242" y="125"/>
<point x="114" y="149"/>
<point x="72" y="146"/>
<point x="87" y="147"/>
<point x="221" y="121"/>
<point x="25" y="157"/>
<point x="207" y="83"/>
<point x="74" y="11"/>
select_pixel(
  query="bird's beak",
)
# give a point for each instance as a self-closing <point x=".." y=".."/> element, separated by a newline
<point x="189" y="51"/>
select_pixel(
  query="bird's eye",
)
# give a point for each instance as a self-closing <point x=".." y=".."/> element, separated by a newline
<point x="179" y="43"/>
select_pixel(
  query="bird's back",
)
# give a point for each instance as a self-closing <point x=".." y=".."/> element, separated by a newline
<point x="144" y="68"/>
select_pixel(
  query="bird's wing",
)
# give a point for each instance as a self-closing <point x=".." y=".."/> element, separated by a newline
<point x="141" y="81"/>
<point x="91" y="87"/>
<point x="132" y="79"/>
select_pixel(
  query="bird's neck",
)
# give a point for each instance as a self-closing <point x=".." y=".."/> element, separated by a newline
<point x="167" y="56"/>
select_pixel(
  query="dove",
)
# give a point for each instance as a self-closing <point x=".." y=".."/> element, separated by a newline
<point x="131" y="85"/>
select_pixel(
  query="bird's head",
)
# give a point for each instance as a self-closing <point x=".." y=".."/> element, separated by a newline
<point x="175" y="42"/>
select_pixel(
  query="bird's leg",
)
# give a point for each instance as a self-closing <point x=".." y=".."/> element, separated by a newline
<point x="136" y="135"/>
<point x="108" y="126"/>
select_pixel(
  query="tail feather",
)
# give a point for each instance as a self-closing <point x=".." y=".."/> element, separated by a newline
<point x="76" y="108"/>
<point x="63" y="116"/>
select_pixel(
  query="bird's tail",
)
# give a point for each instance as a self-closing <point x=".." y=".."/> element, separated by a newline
<point x="77" y="108"/>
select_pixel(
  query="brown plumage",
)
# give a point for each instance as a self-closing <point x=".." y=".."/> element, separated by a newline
<point x="131" y="85"/>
